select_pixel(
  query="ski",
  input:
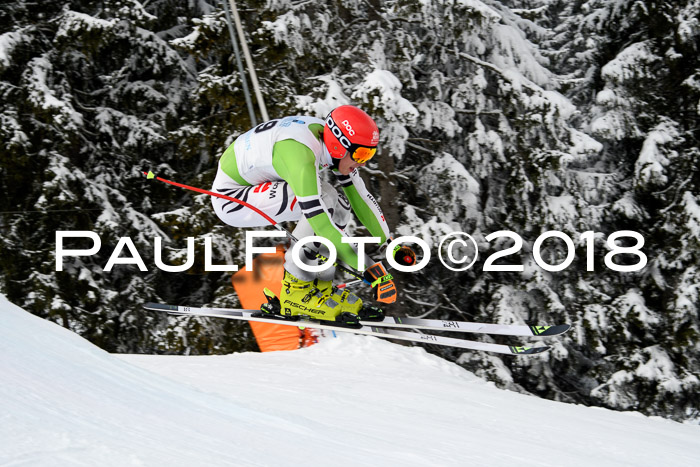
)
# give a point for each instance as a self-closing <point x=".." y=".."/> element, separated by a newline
<point x="431" y="324"/>
<point x="466" y="326"/>
<point x="371" y="329"/>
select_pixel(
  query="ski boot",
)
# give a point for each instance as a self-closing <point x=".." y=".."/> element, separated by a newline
<point x="317" y="300"/>
<point x="371" y="313"/>
<point x="351" y="303"/>
<point x="304" y="299"/>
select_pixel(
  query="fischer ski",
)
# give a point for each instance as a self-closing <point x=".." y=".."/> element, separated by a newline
<point x="412" y="323"/>
<point x="378" y="329"/>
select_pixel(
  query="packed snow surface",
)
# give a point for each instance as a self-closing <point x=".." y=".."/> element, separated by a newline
<point x="348" y="401"/>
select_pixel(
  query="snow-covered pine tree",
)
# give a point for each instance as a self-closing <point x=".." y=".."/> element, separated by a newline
<point x="639" y="62"/>
<point x="93" y="94"/>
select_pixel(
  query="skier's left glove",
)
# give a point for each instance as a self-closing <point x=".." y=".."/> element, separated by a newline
<point x="404" y="255"/>
<point x="382" y="283"/>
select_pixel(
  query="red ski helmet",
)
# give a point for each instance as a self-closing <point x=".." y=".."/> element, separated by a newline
<point x="349" y="128"/>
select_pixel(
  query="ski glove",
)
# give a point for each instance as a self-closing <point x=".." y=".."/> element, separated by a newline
<point x="404" y="255"/>
<point x="382" y="283"/>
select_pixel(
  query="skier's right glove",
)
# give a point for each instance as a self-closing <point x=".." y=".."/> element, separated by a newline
<point x="382" y="283"/>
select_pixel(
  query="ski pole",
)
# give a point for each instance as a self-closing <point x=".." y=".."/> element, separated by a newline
<point x="347" y="284"/>
<point x="343" y="267"/>
<point x="357" y="281"/>
<point x="407" y="258"/>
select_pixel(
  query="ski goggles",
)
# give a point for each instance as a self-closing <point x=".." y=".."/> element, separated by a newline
<point x="362" y="154"/>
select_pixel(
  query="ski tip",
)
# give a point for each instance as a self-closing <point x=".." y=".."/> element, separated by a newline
<point x="550" y="330"/>
<point x="527" y="350"/>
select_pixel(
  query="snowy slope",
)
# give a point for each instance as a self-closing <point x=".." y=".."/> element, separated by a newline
<point x="349" y="401"/>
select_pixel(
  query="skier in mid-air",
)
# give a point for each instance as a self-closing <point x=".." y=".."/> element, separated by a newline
<point x="277" y="167"/>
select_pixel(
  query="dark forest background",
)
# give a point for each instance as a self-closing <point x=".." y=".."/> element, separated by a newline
<point x="526" y="116"/>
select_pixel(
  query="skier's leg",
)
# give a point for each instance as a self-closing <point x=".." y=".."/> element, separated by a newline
<point x="275" y="199"/>
<point x="339" y="209"/>
<point x="313" y="294"/>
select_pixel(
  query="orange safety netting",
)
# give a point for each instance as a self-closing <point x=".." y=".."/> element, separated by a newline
<point x="268" y="270"/>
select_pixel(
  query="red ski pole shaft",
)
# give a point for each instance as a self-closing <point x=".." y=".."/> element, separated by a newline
<point x="343" y="267"/>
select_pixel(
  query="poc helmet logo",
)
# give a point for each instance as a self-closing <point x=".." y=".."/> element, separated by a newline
<point x="348" y="127"/>
<point x="338" y="133"/>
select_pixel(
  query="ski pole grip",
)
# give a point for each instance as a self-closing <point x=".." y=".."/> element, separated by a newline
<point x="404" y="255"/>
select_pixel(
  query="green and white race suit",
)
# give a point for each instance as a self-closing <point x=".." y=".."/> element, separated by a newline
<point x="276" y="167"/>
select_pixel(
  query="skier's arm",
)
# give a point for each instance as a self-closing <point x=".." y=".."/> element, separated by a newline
<point x="296" y="164"/>
<point x="370" y="214"/>
<point x="364" y="205"/>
